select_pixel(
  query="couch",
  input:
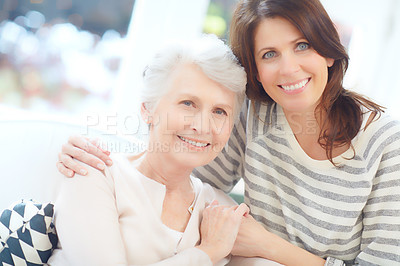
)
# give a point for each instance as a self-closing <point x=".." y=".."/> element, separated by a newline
<point x="29" y="152"/>
<point x="29" y="149"/>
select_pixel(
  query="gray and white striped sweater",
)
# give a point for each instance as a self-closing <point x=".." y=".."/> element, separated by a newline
<point x="350" y="212"/>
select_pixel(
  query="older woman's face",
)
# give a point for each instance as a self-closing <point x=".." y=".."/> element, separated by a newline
<point x="193" y="121"/>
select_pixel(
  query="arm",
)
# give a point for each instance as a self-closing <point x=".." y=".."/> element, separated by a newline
<point x="84" y="208"/>
<point x="225" y="171"/>
<point x="254" y="261"/>
<point x="380" y="240"/>
<point x="254" y="240"/>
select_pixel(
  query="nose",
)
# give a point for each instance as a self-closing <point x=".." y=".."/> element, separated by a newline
<point x="201" y="123"/>
<point x="289" y="64"/>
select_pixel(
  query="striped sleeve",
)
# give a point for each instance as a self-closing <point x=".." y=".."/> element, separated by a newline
<point x="380" y="240"/>
<point x="228" y="167"/>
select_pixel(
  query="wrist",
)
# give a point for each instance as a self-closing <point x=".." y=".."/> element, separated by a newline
<point x="212" y="252"/>
<point x="286" y="253"/>
<point x="267" y="245"/>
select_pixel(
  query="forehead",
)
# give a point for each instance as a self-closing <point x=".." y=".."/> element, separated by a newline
<point x="275" y="30"/>
<point x="190" y="80"/>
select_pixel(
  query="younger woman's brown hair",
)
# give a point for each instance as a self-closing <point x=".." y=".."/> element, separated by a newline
<point x="343" y="108"/>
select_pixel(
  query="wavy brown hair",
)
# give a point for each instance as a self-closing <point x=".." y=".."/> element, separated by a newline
<point x="343" y="108"/>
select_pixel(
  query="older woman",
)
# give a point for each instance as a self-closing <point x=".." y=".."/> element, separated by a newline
<point x="148" y="209"/>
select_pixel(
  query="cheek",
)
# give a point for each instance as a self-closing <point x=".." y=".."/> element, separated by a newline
<point x="223" y="135"/>
<point x="217" y="125"/>
<point x="322" y="77"/>
<point x="167" y="124"/>
<point x="178" y="119"/>
<point x="318" y="64"/>
<point x="266" y="76"/>
<point x="221" y="126"/>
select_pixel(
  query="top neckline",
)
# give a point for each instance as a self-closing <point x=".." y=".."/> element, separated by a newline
<point x="153" y="187"/>
<point x="300" y="154"/>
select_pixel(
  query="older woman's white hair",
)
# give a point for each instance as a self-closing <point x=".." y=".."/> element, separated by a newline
<point x="209" y="53"/>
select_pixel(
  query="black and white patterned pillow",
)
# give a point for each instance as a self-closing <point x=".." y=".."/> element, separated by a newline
<point x="27" y="233"/>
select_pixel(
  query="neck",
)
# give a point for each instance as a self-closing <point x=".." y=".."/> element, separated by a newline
<point x="305" y="122"/>
<point x="306" y="127"/>
<point x="179" y="194"/>
<point x="173" y="176"/>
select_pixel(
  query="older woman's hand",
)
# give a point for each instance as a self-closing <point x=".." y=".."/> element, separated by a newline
<point x="219" y="228"/>
<point x="83" y="149"/>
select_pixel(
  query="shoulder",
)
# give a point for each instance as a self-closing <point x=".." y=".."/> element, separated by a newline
<point x="263" y="116"/>
<point x="105" y="179"/>
<point x="261" y="109"/>
<point x="379" y="123"/>
<point x="123" y="163"/>
<point x="123" y="172"/>
<point x="80" y="192"/>
<point x="379" y="133"/>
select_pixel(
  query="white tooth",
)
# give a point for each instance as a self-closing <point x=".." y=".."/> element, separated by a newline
<point x="296" y="86"/>
<point x="194" y="143"/>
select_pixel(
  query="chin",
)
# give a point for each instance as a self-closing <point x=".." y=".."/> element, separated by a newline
<point x="299" y="106"/>
<point x="194" y="161"/>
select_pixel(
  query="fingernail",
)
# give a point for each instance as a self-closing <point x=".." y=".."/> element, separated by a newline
<point x="109" y="162"/>
<point x="83" y="172"/>
<point x="101" y="166"/>
<point x="70" y="173"/>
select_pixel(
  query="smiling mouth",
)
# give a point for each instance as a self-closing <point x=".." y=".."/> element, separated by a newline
<point x="194" y="143"/>
<point x="296" y="86"/>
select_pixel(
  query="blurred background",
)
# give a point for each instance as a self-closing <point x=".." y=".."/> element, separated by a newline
<point x="81" y="61"/>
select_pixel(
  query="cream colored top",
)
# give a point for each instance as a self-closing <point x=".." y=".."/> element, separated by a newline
<point x="114" y="218"/>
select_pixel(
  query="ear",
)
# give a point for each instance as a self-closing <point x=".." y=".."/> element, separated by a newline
<point x="146" y="115"/>
<point x="330" y="61"/>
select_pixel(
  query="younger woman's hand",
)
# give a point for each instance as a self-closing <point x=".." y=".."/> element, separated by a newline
<point x="250" y="239"/>
<point x="85" y="150"/>
<point x="253" y="240"/>
<point x="219" y="228"/>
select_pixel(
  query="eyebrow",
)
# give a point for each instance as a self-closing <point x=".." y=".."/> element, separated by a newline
<point x="195" y="98"/>
<point x="271" y="48"/>
<point x="224" y="106"/>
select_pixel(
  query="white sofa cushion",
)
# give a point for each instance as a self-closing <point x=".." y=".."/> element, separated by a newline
<point x="29" y="150"/>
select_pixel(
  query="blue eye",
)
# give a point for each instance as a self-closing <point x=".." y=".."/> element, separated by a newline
<point x="269" y="54"/>
<point x="220" y="112"/>
<point x="303" y="46"/>
<point x="187" y="103"/>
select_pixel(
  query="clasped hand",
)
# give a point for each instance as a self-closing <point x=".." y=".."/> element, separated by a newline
<point x="219" y="228"/>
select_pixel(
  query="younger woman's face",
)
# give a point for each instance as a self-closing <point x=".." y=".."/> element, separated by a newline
<point x="292" y="73"/>
<point x="193" y="121"/>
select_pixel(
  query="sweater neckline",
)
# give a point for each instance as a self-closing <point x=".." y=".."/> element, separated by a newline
<point x="300" y="154"/>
